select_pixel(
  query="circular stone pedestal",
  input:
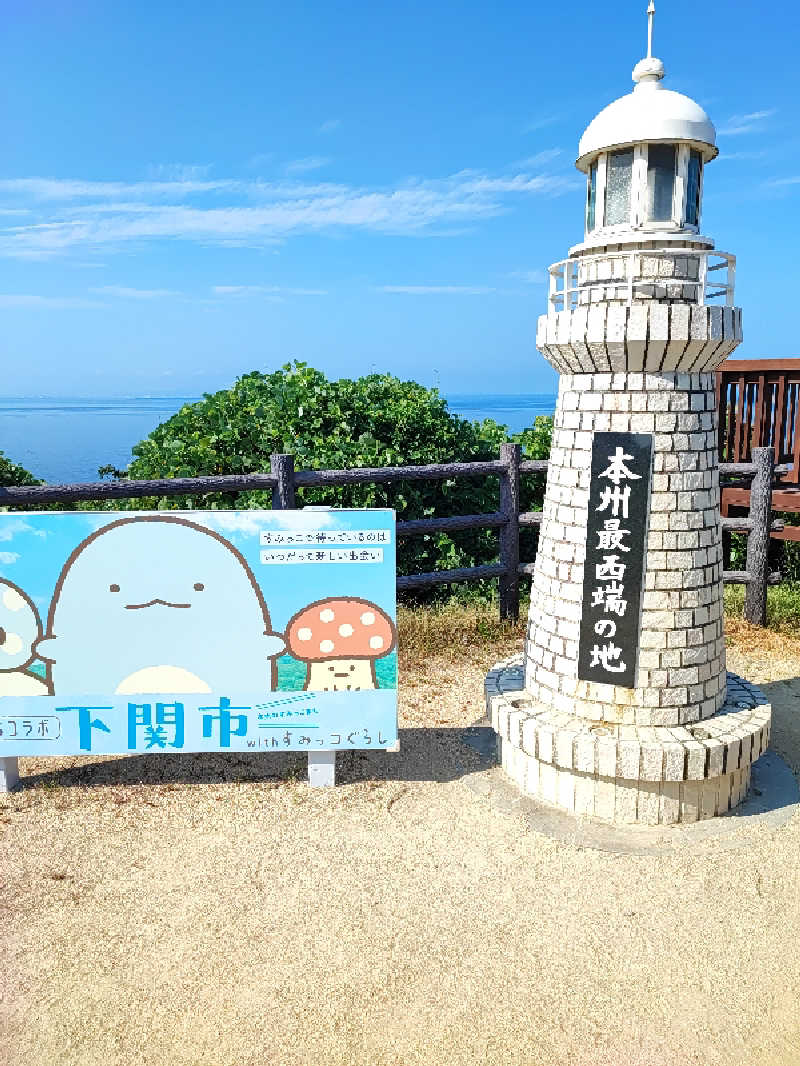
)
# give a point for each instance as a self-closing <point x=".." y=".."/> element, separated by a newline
<point x="648" y="775"/>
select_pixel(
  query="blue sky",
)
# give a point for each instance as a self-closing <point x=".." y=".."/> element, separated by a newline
<point x="189" y="192"/>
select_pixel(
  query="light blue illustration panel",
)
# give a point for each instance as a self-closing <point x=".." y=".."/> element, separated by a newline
<point x="197" y="631"/>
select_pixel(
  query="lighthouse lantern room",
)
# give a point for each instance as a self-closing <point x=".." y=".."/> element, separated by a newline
<point x="644" y="157"/>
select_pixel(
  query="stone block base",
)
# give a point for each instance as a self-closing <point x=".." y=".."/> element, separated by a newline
<point x="647" y="775"/>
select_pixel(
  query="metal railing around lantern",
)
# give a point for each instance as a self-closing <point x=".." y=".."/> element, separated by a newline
<point x="677" y="274"/>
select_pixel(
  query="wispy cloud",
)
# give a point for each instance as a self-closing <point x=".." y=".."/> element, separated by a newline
<point x="264" y="290"/>
<point x="260" y="159"/>
<point x="70" y="215"/>
<point x="783" y="183"/>
<point x="34" y="301"/>
<point x="541" y="159"/>
<point x="752" y="122"/>
<point x="14" y="526"/>
<point x="438" y="290"/>
<point x="178" y="171"/>
<point x="539" y="183"/>
<point x="542" y="121"/>
<point x="305" y="166"/>
<point x="530" y="277"/>
<point x="126" y="293"/>
<point x="742" y="155"/>
<point x="245" y="522"/>
<point x="65" y="189"/>
<point x="330" y="125"/>
<point x="7" y="558"/>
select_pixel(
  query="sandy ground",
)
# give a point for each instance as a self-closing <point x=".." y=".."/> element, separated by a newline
<point x="215" y="911"/>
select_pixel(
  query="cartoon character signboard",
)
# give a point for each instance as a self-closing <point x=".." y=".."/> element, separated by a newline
<point x="197" y="631"/>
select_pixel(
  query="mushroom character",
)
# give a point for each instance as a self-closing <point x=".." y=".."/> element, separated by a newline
<point x="339" y="640"/>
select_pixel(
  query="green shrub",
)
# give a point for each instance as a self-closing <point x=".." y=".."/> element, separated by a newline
<point x="14" y="474"/>
<point x="376" y="420"/>
<point x="783" y="605"/>
<point x="784" y="555"/>
<point x="787" y="556"/>
<point x="536" y="442"/>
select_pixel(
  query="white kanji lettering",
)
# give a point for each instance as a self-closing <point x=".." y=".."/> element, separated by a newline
<point x="617" y="497"/>
<point x="609" y="538"/>
<point x="610" y="598"/>
<point x="610" y="569"/>
<point x="617" y="471"/>
<point x="607" y="657"/>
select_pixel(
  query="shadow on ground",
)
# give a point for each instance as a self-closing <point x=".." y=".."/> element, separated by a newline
<point x="785" y="733"/>
<point x="425" y="755"/>
<point x="431" y="754"/>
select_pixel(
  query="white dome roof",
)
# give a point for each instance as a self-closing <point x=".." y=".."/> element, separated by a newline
<point x="649" y="113"/>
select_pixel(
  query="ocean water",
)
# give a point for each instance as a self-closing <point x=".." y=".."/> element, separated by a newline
<point x="515" y="411"/>
<point x="63" y="440"/>
<point x="67" y="439"/>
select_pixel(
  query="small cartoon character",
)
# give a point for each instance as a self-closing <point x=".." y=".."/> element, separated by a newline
<point x="158" y="604"/>
<point x="20" y="628"/>
<point x="339" y="640"/>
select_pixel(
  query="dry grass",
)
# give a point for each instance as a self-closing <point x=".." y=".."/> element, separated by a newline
<point x="783" y="606"/>
<point x="454" y="632"/>
<point x="457" y="632"/>
<point x="743" y="637"/>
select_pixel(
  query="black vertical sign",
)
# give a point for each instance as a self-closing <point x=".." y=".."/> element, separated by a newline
<point x="616" y="539"/>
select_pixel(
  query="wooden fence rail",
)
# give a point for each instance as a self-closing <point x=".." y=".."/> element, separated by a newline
<point x="283" y="480"/>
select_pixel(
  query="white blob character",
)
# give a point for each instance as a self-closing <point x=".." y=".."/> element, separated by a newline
<point x="158" y="604"/>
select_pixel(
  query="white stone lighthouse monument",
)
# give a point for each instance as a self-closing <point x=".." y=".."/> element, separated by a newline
<point x="621" y="707"/>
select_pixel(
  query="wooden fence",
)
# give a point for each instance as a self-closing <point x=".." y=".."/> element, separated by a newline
<point x="283" y="480"/>
<point x="759" y="406"/>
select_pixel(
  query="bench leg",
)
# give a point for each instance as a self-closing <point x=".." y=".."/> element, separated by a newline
<point x="322" y="769"/>
<point x="9" y="773"/>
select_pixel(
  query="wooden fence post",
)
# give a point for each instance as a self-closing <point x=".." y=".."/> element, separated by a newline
<point x="282" y="467"/>
<point x="755" y="601"/>
<point x="509" y="533"/>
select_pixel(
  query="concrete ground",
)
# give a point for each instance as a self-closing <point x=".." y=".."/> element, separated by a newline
<point x="215" y="911"/>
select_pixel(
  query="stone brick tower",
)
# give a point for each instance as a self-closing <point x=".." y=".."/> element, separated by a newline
<point x="608" y="727"/>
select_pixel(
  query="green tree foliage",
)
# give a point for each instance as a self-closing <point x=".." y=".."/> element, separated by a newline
<point x="536" y="442"/>
<point x="14" y="474"/>
<point x="372" y="421"/>
<point x="784" y="556"/>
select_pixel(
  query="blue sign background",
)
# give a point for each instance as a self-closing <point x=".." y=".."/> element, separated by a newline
<point x="128" y="599"/>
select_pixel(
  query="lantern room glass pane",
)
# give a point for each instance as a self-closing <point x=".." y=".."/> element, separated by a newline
<point x="591" y="198"/>
<point x="693" y="189"/>
<point x="618" y="188"/>
<point x="660" y="181"/>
